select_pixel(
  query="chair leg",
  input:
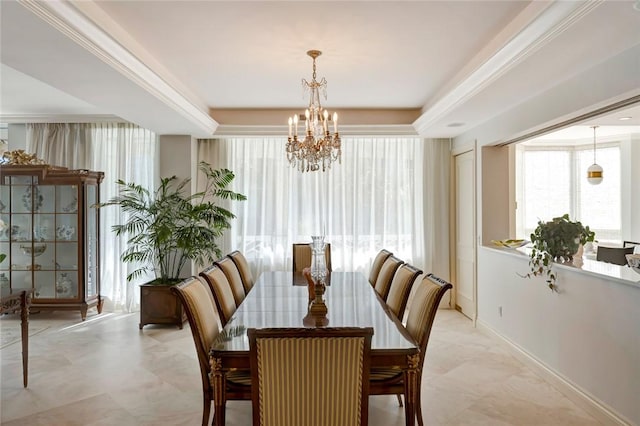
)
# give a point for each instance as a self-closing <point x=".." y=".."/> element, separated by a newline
<point x="399" y="399"/>
<point x="419" y="403"/>
<point x="206" y="410"/>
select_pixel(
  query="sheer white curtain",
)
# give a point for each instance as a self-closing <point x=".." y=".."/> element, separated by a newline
<point x="375" y="199"/>
<point x="436" y="190"/>
<point x="61" y="144"/>
<point x="120" y="150"/>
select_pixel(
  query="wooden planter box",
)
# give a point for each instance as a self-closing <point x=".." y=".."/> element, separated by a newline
<point x="158" y="305"/>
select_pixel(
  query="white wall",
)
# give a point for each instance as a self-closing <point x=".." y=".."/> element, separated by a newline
<point x="631" y="195"/>
<point x="607" y="82"/>
<point x="588" y="333"/>
<point x="178" y="156"/>
<point x="17" y="134"/>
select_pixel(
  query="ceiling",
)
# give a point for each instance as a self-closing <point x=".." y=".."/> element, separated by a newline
<point x="434" y="68"/>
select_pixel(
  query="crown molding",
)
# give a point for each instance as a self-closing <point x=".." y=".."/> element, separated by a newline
<point x="67" y="19"/>
<point x="537" y="25"/>
<point x="345" y="130"/>
<point x="59" y="118"/>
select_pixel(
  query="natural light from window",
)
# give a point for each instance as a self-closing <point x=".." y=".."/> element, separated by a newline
<point x="551" y="181"/>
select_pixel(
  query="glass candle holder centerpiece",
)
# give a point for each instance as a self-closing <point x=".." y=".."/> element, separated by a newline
<point x="319" y="273"/>
<point x="318" y="261"/>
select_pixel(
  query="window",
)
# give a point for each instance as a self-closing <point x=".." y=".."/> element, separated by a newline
<point x="373" y="200"/>
<point x="551" y="181"/>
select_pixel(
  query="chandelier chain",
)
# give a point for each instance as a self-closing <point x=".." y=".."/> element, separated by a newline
<point x="314" y="70"/>
<point x="594" y="144"/>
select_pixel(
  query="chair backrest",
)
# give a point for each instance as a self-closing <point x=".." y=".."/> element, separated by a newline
<point x="244" y="269"/>
<point x="615" y="255"/>
<point x="310" y="376"/>
<point x="383" y="281"/>
<point x="221" y="290"/>
<point x="233" y="276"/>
<point x="200" y="308"/>
<point x="302" y="256"/>
<point x="635" y="245"/>
<point x="401" y="285"/>
<point x="377" y="265"/>
<point x="422" y="311"/>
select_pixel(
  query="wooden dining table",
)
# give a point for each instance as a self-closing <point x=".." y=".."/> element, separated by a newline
<point x="280" y="300"/>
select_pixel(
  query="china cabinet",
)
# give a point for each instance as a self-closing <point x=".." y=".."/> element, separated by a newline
<point x="50" y="233"/>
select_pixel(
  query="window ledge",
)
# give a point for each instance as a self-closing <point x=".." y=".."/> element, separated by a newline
<point x="603" y="270"/>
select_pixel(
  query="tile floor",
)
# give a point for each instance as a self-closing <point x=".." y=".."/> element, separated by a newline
<point x="106" y="372"/>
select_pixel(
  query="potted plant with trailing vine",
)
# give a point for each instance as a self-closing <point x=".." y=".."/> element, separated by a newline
<point x="556" y="241"/>
<point x="167" y="228"/>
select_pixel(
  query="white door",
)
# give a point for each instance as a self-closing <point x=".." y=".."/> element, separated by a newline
<point x="465" y="249"/>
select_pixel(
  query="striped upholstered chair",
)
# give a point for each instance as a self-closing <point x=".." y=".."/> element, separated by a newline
<point x="400" y="288"/>
<point x="221" y="290"/>
<point x="310" y="376"/>
<point x="233" y="276"/>
<point x="422" y="312"/>
<point x="377" y="265"/>
<point x="388" y="270"/>
<point x="199" y="306"/>
<point x="302" y="256"/>
<point x="243" y="267"/>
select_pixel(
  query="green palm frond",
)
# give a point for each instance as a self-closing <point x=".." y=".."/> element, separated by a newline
<point x="167" y="227"/>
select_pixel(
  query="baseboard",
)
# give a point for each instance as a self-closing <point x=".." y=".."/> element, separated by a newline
<point x="596" y="408"/>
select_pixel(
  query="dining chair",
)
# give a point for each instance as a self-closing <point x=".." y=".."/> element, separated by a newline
<point x="422" y="312"/>
<point x="400" y="289"/>
<point x="310" y="376"/>
<point x="197" y="300"/>
<point x="377" y="265"/>
<point x="244" y="269"/>
<point x="302" y="256"/>
<point x="615" y="255"/>
<point x="221" y="290"/>
<point x="233" y="276"/>
<point x="383" y="281"/>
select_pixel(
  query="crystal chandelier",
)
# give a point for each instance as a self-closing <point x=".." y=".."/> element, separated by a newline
<point x="319" y="148"/>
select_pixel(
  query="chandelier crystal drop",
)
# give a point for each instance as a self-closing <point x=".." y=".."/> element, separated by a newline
<point x="318" y="148"/>
<point x="594" y="172"/>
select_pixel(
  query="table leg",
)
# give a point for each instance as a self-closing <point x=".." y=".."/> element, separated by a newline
<point x="218" y="384"/>
<point x="411" y="390"/>
<point x="24" y="320"/>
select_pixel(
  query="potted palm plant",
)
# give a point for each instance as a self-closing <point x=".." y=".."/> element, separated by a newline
<point x="167" y="228"/>
<point x="558" y="240"/>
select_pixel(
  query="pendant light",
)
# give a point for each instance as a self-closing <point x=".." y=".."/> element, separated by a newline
<point x="594" y="172"/>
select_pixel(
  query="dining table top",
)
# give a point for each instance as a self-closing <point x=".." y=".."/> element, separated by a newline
<point x="280" y="299"/>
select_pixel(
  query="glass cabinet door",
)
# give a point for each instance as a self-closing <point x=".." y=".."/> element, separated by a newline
<point x="92" y="240"/>
<point x="66" y="246"/>
<point x="41" y="247"/>
<point x="23" y="251"/>
<point x="5" y="232"/>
